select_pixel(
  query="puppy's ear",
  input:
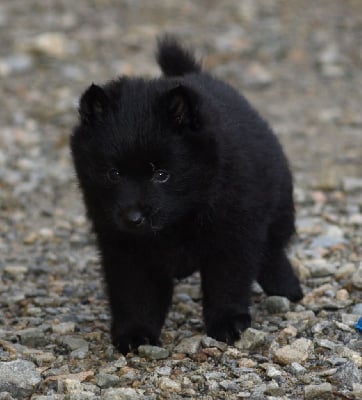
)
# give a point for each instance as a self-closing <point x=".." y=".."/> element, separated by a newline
<point x="93" y="104"/>
<point x="181" y="105"/>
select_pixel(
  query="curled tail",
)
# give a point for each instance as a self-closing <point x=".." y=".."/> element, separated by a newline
<point x="174" y="59"/>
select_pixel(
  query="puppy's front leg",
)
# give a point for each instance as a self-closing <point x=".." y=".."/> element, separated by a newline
<point x="140" y="292"/>
<point x="227" y="274"/>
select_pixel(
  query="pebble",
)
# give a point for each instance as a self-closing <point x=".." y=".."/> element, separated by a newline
<point x="207" y="341"/>
<point x="251" y="339"/>
<point x="32" y="337"/>
<point x="357" y="309"/>
<point x="105" y="381"/>
<point x="297" y="369"/>
<point x="277" y="304"/>
<point x="257" y="76"/>
<point x="320" y="267"/>
<point x="122" y="394"/>
<point x="189" y="346"/>
<point x="153" y="352"/>
<point x="16" y="271"/>
<point x="15" y="64"/>
<point x="168" y="384"/>
<point x="322" y="391"/>
<point x="345" y="271"/>
<point x="298" y="352"/>
<point x="19" y="378"/>
<point x="352" y="184"/>
<point x="357" y="277"/>
<point x="346" y="375"/>
<point x="63" y="328"/>
<point x="51" y="44"/>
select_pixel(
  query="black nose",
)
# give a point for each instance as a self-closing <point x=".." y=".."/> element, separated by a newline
<point x="134" y="218"/>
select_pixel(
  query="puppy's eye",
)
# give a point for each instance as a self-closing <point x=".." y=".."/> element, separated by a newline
<point x="113" y="175"/>
<point x="160" y="176"/>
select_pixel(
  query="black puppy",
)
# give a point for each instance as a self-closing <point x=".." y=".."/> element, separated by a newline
<point x="181" y="174"/>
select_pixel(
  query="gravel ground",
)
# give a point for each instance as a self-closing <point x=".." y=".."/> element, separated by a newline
<point x="300" y="64"/>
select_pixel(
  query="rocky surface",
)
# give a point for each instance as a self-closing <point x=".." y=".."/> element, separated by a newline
<point x="300" y="64"/>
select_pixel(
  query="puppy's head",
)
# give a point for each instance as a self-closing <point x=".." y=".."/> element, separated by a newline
<point x="143" y="153"/>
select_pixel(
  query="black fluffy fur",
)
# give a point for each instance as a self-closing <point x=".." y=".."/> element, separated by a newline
<point x="181" y="174"/>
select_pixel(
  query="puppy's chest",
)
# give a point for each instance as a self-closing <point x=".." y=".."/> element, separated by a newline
<point x="183" y="258"/>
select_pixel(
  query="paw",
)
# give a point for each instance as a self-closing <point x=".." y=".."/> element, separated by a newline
<point x="228" y="328"/>
<point x="127" y="340"/>
<point x="290" y="289"/>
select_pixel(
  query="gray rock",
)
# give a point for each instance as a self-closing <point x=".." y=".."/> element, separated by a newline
<point x="251" y="339"/>
<point x="322" y="391"/>
<point x="277" y="304"/>
<point x="19" y="378"/>
<point x="320" y="267"/>
<point x="357" y="309"/>
<point x="297" y="369"/>
<point x="32" y="337"/>
<point x="153" y="352"/>
<point x="352" y="184"/>
<point x="298" y="351"/>
<point x="189" y="346"/>
<point x="75" y="343"/>
<point x="63" y="328"/>
<point x="15" y="64"/>
<point x="346" y="375"/>
<point x="357" y="277"/>
<point x="207" y="341"/>
<point x="105" y="381"/>
<point x="122" y="394"/>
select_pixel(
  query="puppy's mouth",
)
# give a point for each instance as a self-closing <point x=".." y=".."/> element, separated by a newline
<point x="155" y="225"/>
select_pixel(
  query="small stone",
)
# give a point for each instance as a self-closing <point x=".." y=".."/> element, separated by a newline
<point x="350" y="319"/>
<point x="322" y="391"/>
<point x="273" y="389"/>
<point x="352" y="184"/>
<point x="15" y="64"/>
<point x="105" y="381"/>
<point x="32" y="337"/>
<point x="342" y="295"/>
<point x="63" y="328"/>
<point x="229" y="386"/>
<point x="298" y="351"/>
<point x="272" y="372"/>
<point x="153" y="352"/>
<point x="346" y="375"/>
<point x="297" y="369"/>
<point x="40" y="358"/>
<point x="52" y="44"/>
<point x="251" y="339"/>
<point x="320" y="267"/>
<point x="256" y="76"/>
<point x="168" y="384"/>
<point x="277" y="304"/>
<point x="357" y="390"/>
<point x="19" y="378"/>
<point x="357" y="309"/>
<point x="207" y="341"/>
<point x="69" y="385"/>
<point x="352" y="355"/>
<point x="16" y="270"/>
<point x="163" y="371"/>
<point x="74" y="343"/>
<point x="122" y="394"/>
<point x="189" y="346"/>
<point x="357" y="277"/>
<point x="327" y="344"/>
<point x="345" y="271"/>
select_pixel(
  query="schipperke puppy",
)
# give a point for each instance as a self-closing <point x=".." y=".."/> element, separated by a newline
<point x="179" y="174"/>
